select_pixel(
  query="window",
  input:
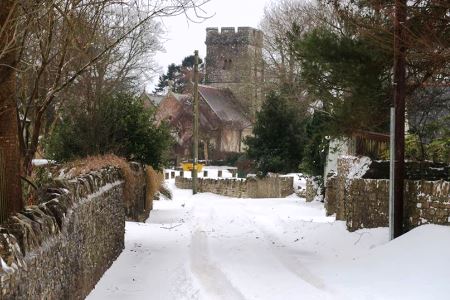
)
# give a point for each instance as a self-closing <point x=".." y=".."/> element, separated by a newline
<point x="227" y="64"/>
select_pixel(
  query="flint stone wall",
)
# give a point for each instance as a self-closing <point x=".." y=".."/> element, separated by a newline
<point x="269" y="187"/>
<point x="364" y="203"/>
<point x="314" y="189"/>
<point x="137" y="207"/>
<point x="60" y="248"/>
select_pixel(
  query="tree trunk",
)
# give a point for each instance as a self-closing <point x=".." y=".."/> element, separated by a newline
<point x="10" y="189"/>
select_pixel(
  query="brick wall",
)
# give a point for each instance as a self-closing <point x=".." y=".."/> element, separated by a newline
<point x="60" y="248"/>
<point x="269" y="187"/>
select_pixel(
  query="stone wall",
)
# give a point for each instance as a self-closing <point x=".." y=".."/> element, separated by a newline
<point x="427" y="202"/>
<point x="314" y="189"/>
<point x="364" y="203"/>
<point x="331" y="197"/>
<point x="269" y="187"/>
<point x="60" y="248"/>
<point x="137" y="207"/>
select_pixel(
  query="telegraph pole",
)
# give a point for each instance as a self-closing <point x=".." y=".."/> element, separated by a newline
<point x="195" y="126"/>
<point x="399" y="105"/>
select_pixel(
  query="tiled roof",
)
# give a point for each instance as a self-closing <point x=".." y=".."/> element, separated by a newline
<point x="155" y="99"/>
<point x="224" y="105"/>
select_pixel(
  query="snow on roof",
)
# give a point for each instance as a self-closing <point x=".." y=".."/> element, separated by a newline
<point x="153" y="98"/>
<point x="224" y="105"/>
<point x="156" y="98"/>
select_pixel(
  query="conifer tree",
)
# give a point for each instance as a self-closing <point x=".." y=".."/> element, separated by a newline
<point x="278" y="140"/>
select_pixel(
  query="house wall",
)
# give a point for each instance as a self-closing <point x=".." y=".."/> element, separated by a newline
<point x="270" y="187"/>
<point x="168" y="108"/>
<point x="230" y="140"/>
<point x="246" y="132"/>
<point x="60" y="248"/>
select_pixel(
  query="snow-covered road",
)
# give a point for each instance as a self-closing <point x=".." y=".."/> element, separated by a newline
<point x="212" y="247"/>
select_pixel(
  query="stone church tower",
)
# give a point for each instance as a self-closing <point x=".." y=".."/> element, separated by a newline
<point x="234" y="61"/>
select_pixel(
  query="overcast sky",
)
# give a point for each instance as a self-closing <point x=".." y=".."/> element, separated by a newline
<point x="183" y="37"/>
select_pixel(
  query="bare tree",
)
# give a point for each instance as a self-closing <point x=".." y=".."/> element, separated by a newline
<point x="57" y="41"/>
<point x="122" y="68"/>
<point x="280" y="19"/>
<point x="71" y="37"/>
<point x="10" y="193"/>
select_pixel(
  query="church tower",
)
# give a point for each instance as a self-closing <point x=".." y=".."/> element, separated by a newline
<point x="234" y="61"/>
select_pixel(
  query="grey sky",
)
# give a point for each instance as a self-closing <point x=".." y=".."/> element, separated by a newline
<point x="183" y="37"/>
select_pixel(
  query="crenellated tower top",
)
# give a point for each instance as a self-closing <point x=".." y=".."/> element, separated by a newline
<point x="227" y="35"/>
<point x="234" y="60"/>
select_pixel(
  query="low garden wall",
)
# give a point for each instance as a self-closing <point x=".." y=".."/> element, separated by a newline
<point x="364" y="203"/>
<point x="269" y="187"/>
<point x="314" y="189"/>
<point x="60" y="248"/>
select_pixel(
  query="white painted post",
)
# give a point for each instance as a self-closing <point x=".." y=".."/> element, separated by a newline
<point x="391" y="174"/>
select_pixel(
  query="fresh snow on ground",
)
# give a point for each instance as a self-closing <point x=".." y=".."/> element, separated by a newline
<point x="213" y="247"/>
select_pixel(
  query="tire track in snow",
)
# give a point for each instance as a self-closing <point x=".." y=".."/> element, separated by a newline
<point x="183" y="287"/>
<point x="214" y="281"/>
<point x="291" y="262"/>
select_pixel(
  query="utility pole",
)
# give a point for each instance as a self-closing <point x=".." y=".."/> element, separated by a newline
<point x="195" y="126"/>
<point x="399" y="105"/>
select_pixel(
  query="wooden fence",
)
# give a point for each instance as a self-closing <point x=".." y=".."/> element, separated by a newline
<point x="371" y="144"/>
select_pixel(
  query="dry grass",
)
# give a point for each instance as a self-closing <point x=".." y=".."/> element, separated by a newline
<point x="154" y="180"/>
<point x="92" y="163"/>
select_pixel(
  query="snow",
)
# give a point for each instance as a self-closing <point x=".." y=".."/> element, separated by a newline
<point x="42" y="162"/>
<point x="359" y="167"/>
<point x="337" y="148"/>
<point x="213" y="247"/>
<point x="5" y="266"/>
<point x="413" y="266"/>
